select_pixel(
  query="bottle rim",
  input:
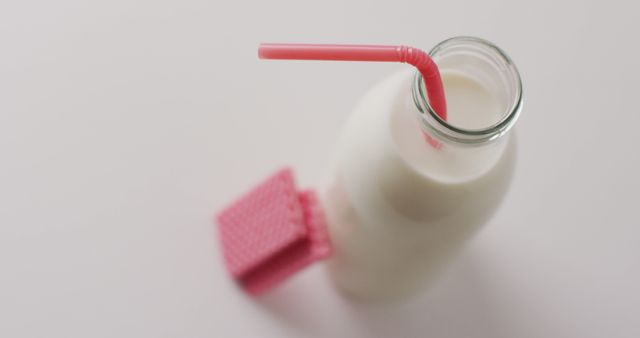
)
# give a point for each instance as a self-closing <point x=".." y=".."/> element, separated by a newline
<point x="432" y="123"/>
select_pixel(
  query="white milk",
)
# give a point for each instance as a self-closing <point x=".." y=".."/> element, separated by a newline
<point x="398" y="209"/>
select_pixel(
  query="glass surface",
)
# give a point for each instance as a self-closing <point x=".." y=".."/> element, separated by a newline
<point x="489" y="67"/>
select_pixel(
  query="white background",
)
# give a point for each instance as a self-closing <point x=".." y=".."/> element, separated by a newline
<point x="124" y="125"/>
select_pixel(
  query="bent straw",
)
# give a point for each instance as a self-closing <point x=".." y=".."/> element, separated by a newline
<point x="413" y="56"/>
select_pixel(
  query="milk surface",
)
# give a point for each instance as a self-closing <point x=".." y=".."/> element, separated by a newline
<point x="398" y="208"/>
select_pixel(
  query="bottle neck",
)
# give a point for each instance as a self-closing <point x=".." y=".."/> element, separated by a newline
<point x="486" y="66"/>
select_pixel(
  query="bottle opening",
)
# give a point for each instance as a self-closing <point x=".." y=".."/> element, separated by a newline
<point x="483" y="91"/>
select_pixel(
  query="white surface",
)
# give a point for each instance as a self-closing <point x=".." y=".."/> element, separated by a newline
<point x="125" y="124"/>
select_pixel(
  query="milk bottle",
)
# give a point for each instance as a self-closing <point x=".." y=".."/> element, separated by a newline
<point x="409" y="188"/>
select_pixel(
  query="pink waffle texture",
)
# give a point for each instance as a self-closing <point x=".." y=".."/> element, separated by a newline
<point x="272" y="232"/>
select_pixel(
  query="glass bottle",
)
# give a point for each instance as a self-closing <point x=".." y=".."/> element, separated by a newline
<point x="409" y="189"/>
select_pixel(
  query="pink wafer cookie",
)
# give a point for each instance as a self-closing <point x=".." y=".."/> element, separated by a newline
<point x="272" y="232"/>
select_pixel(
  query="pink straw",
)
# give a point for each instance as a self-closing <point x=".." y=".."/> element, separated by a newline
<point x="413" y="56"/>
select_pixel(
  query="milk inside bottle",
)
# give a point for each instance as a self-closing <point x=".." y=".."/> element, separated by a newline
<point x="408" y="188"/>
